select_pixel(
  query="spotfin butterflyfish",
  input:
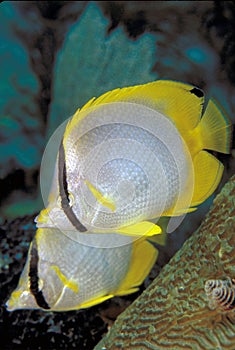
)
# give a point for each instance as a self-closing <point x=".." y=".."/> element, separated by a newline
<point x="125" y="159"/>
<point x="134" y="155"/>
<point x="61" y="274"/>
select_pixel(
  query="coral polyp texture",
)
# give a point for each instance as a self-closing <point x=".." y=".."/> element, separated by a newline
<point x="174" y="312"/>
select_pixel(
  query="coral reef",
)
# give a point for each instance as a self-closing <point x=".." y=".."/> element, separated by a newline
<point x="48" y="47"/>
<point x="173" y="312"/>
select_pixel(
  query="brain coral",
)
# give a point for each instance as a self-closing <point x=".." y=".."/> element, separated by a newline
<point x="173" y="313"/>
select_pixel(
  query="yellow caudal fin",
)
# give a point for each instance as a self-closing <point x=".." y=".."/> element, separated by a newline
<point x="143" y="228"/>
<point x="208" y="173"/>
<point x="215" y="129"/>
<point x="143" y="258"/>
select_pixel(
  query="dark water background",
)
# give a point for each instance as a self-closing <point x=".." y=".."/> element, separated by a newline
<point x="55" y="56"/>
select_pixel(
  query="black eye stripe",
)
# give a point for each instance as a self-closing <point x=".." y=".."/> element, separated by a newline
<point x="33" y="277"/>
<point x="64" y="194"/>
<point x="63" y="186"/>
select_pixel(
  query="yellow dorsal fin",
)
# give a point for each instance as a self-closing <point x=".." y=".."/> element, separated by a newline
<point x="179" y="101"/>
<point x="215" y="129"/>
<point x="208" y="173"/>
<point x="100" y="198"/>
<point x="143" y="258"/>
<point x="143" y="228"/>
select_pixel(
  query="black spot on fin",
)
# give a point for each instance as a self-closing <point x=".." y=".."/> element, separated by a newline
<point x="197" y="92"/>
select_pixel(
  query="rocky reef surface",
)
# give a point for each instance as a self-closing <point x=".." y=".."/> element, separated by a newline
<point x="174" y="311"/>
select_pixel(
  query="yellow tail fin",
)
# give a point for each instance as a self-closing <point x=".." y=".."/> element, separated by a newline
<point x="215" y="129"/>
<point x="143" y="258"/>
<point x="208" y="173"/>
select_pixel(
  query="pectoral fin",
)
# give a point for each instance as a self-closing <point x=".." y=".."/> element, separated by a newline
<point x="106" y="202"/>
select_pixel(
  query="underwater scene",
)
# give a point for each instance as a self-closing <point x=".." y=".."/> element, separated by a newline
<point x="117" y="175"/>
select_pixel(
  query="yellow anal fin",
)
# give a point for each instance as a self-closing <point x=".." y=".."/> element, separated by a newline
<point x="215" y="129"/>
<point x="100" y="198"/>
<point x="183" y="211"/>
<point x="95" y="301"/>
<point x="126" y="291"/>
<point x="66" y="282"/>
<point x="144" y="228"/>
<point x="143" y="258"/>
<point x="208" y="172"/>
<point x="159" y="239"/>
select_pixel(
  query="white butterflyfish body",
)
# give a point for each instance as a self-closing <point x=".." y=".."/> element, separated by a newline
<point x="124" y="160"/>
<point x="61" y="274"/>
<point x="136" y="154"/>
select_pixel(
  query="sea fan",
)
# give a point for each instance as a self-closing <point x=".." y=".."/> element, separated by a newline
<point x="92" y="62"/>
